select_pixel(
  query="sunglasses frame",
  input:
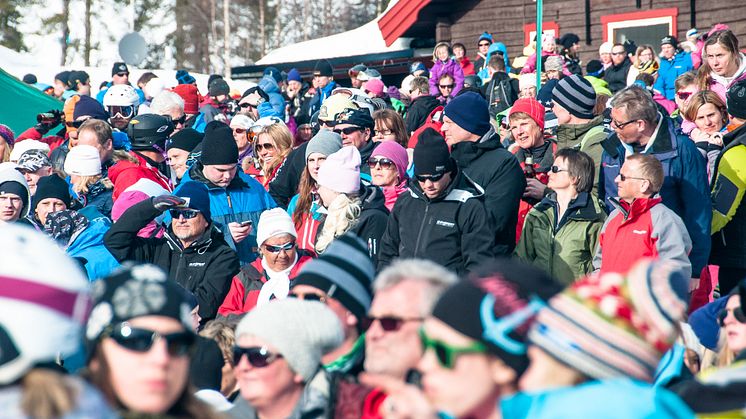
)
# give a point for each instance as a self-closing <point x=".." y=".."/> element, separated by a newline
<point x="348" y="130"/>
<point x="119" y="111"/>
<point x="738" y="314"/>
<point x="431" y="178"/>
<point x="266" y="146"/>
<point x="262" y="357"/>
<point x="314" y="297"/>
<point x="182" y="212"/>
<point x="384" y="162"/>
<point x="556" y="169"/>
<point x="445" y="353"/>
<point x="178" y="344"/>
<point x="389" y="323"/>
<point x="446" y="86"/>
<point x="624" y="178"/>
<point x="277" y="249"/>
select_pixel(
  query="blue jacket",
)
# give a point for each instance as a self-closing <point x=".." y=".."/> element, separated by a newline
<point x="610" y="399"/>
<point x="670" y="70"/>
<point x="90" y="245"/>
<point x="495" y="47"/>
<point x="685" y="188"/>
<point x="269" y="85"/>
<point x="243" y="200"/>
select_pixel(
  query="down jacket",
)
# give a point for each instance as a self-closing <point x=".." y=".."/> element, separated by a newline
<point x="441" y="68"/>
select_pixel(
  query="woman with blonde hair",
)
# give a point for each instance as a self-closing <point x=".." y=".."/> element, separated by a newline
<point x="645" y="62"/>
<point x="90" y="187"/>
<point x="710" y="115"/>
<point x="272" y="146"/>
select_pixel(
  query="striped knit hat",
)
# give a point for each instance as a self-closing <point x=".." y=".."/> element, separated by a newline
<point x="610" y="325"/>
<point x="344" y="272"/>
<point x="575" y="94"/>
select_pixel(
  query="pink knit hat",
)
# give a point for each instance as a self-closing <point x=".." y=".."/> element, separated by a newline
<point x="374" y="86"/>
<point x="396" y="153"/>
<point x="341" y="171"/>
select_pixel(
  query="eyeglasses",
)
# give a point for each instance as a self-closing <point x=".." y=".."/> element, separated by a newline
<point x="308" y="297"/>
<point x="557" y="169"/>
<point x="123" y="74"/>
<point x="258" y="357"/>
<point x="142" y="340"/>
<point x="122" y="111"/>
<point x="384" y="162"/>
<point x="188" y="214"/>
<point x="684" y="95"/>
<point x="622" y="125"/>
<point x="624" y="178"/>
<point x="445" y="86"/>
<point x="277" y="249"/>
<point x="181" y="120"/>
<point x="431" y="178"/>
<point x="247" y="105"/>
<point x="737" y="313"/>
<point x="265" y="146"/>
<point x="383" y="132"/>
<point x="446" y="353"/>
<point x="348" y="130"/>
<point x="484" y="44"/>
<point x="239" y="130"/>
<point x="388" y="323"/>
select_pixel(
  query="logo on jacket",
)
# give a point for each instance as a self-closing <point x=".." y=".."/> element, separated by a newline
<point x="445" y="224"/>
<point x="640" y="231"/>
<point x="196" y="264"/>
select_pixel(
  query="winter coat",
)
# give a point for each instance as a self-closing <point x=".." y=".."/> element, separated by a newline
<point x="451" y="229"/>
<point x="586" y="138"/>
<point x="309" y="226"/>
<point x="313" y="404"/>
<point x="125" y="174"/>
<point x="418" y="112"/>
<point x="669" y="71"/>
<point x="441" y="68"/>
<point x="495" y="47"/>
<point x="89" y="245"/>
<point x="543" y="159"/>
<point x="205" y="267"/>
<point x="616" y="75"/>
<point x="243" y="200"/>
<point x="563" y="248"/>
<point x="716" y="392"/>
<point x="497" y="171"/>
<point x="270" y="87"/>
<point x="466" y="66"/>
<point x="620" y="398"/>
<point x="685" y="188"/>
<point x="643" y="229"/>
<point x="98" y="196"/>
<point x="245" y="287"/>
<point x="287" y="179"/>
<point x="728" y="207"/>
<point x="372" y="221"/>
<point x="599" y="85"/>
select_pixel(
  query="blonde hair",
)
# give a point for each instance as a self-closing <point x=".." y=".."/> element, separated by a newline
<point x="282" y="139"/>
<point x="47" y="394"/>
<point x="81" y="185"/>
<point x="342" y="215"/>
<point x="223" y="332"/>
<point x="5" y="157"/>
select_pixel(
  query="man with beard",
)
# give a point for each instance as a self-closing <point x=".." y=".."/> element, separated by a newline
<point x="190" y="248"/>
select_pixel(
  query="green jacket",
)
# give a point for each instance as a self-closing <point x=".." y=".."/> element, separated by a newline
<point x="563" y="249"/>
<point x="572" y="135"/>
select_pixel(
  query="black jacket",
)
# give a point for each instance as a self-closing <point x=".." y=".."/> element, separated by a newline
<point x="285" y="183"/>
<point x="498" y="172"/>
<point x="189" y="267"/>
<point x="418" y="111"/>
<point x="373" y="218"/>
<point x="501" y="92"/>
<point x="616" y="75"/>
<point x="452" y="229"/>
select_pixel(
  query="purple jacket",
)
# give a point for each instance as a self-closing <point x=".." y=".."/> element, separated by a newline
<point x="449" y="67"/>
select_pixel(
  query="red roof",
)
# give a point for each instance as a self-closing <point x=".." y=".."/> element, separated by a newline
<point x="400" y="18"/>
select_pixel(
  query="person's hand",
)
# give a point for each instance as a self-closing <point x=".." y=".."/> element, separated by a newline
<point x="238" y="231"/>
<point x="716" y="139"/>
<point x="698" y="135"/>
<point x="167" y="202"/>
<point x="534" y="189"/>
<point x="403" y="401"/>
<point x="48" y="120"/>
<point x="693" y="284"/>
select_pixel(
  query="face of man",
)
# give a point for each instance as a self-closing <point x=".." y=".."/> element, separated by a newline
<point x="249" y="105"/>
<point x="10" y="207"/>
<point x="633" y="186"/>
<point x="667" y="51"/>
<point x="454" y="133"/>
<point x="433" y="188"/>
<point x="394" y="352"/>
<point x="618" y="54"/>
<point x="628" y="131"/>
<point x="321" y="81"/>
<point x="89" y="137"/>
<point x="120" y="78"/>
<point x="220" y="175"/>
<point x="178" y="117"/>
<point x="48" y="206"/>
<point x="177" y="161"/>
<point x="352" y="135"/>
<point x="526" y="133"/>
<point x="33" y="177"/>
<point x="189" y="229"/>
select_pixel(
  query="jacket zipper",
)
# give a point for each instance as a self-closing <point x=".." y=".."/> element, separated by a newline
<point x="419" y="234"/>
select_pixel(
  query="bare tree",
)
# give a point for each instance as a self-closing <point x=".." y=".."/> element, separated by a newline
<point x="64" y="18"/>
<point x="87" y="42"/>
<point x="226" y="38"/>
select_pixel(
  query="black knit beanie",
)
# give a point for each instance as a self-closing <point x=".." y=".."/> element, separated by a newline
<point x="431" y="155"/>
<point x="51" y="186"/>
<point x="185" y="139"/>
<point x="218" y="145"/>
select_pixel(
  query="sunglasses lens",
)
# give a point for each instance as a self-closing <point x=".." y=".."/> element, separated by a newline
<point x="138" y="340"/>
<point x="442" y="353"/>
<point x="258" y="359"/>
<point x="390" y="324"/>
<point x="179" y="343"/>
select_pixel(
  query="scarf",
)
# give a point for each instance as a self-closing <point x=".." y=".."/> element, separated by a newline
<point x="278" y="283"/>
<point x="391" y="193"/>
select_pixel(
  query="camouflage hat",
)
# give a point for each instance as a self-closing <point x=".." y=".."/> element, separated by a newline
<point x="33" y="160"/>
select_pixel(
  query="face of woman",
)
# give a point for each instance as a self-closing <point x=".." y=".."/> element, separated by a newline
<point x="560" y="180"/>
<point x="276" y="254"/>
<point x="177" y="160"/>
<point x="721" y="61"/>
<point x="261" y="386"/>
<point x="469" y="387"/>
<point x="709" y="119"/>
<point x="735" y="331"/>
<point x="315" y="160"/>
<point x="383" y="132"/>
<point x="265" y="148"/>
<point x="383" y="176"/>
<point x="152" y="381"/>
<point x="327" y="196"/>
<point x="646" y="55"/>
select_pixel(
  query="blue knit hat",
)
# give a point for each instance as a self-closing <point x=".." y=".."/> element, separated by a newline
<point x="294" y="74"/>
<point x="197" y="197"/>
<point x="88" y="106"/>
<point x="183" y="77"/>
<point x="469" y="111"/>
<point x="487" y="36"/>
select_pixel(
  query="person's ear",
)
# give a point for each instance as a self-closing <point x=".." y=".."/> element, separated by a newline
<point x="109" y="144"/>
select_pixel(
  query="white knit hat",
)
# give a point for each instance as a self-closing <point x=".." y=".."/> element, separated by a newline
<point x="272" y="223"/>
<point x="83" y="160"/>
<point x="341" y="171"/>
<point x="526" y="80"/>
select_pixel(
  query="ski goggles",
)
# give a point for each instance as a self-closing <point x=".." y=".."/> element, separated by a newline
<point x="121" y="111"/>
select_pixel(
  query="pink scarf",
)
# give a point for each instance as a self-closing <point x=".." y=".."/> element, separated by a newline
<point x="391" y="193"/>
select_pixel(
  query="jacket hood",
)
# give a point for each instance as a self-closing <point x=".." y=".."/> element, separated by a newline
<point x="8" y="173"/>
<point x="568" y="135"/>
<point x="498" y="46"/>
<point x="372" y="197"/>
<point x="269" y="84"/>
<point x="461" y="188"/>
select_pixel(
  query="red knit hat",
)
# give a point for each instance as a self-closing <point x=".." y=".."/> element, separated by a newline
<point x="191" y="97"/>
<point x="530" y="106"/>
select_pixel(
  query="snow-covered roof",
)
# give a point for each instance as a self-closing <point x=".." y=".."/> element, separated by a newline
<point x="366" y="39"/>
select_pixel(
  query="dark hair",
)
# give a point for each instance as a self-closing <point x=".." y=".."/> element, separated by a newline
<point x="145" y="78"/>
<point x="646" y="78"/>
<point x="459" y="45"/>
<point x="497" y="62"/>
<point x="393" y="121"/>
<point x="685" y="80"/>
<point x="580" y="166"/>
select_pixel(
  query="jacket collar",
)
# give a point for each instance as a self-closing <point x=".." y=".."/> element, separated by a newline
<point x="637" y="207"/>
<point x="460" y="189"/>
<point x="200" y="245"/>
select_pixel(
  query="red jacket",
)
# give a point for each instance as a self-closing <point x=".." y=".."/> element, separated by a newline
<point x="125" y="174"/>
<point x="245" y="286"/>
<point x="466" y="66"/>
<point x="644" y="229"/>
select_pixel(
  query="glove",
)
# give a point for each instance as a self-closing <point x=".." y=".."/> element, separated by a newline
<point x="167" y="202"/>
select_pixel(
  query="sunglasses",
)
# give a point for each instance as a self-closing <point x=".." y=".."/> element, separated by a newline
<point x="239" y="130"/>
<point x="348" y="130"/>
<point x="188" y="214"/>
<point x="431" y="178"/>
<point x="737" y="313"/>
<point x="684" y="95"/>
<point x="142" y="340"/>
<point x="484" y="44"/>
<point x="618" y="53"/>
<point x="446" y="353"/>
<point x="258" y="357"/>
<point x="122" y="111"/>
<point x="624" y="178"/>
<point x="388" y="323"/>
<point x="247" y="105"/>
<point x="277" y="249"/>
<point x="557" y="169"/>
<point x="181" y="120"/>
<point x="445" y="86"/>
<point x="308" y="297"/>
<point x="384" y="162"/>
<point x="123" y="74"/>
<point x="265" y="146"/>
<point x="75" y="124"/>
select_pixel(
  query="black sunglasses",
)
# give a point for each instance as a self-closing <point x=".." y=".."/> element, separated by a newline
<point x="484" y="44"/>
<point x="259" y="357"/>
<point x="348" y="130"/>
<point x="431" y="178"/>
<point x="265" y="146"/>
<point x="388" y="323"/>
<point x="277" y="249"/>
<point x="737" y="313"/>
<point x="557" y="169"/>
<point x="75" y="124"/>
<point x="384" y="162"/>
<point x="123" y="74"/>
<point x="308" y="297"/>
<point x="247" y="105"/>
<point x="624" y="178"/>
<point x="141" y="340"/>
<point x="445" y="86"/>
<point x="181" y="120"/>
<point x="188" y="214"/>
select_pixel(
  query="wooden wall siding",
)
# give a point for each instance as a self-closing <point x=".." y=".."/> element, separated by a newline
<point x="505" y="19"/>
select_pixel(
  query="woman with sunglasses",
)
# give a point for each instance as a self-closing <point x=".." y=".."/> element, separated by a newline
<point x="271" y="147"/>
<point x="139" y="338"/>
<point x="270" y="275"/>
<point x="388" y="170"/>
<point x="304" y="207"/>
<point x="446" y="85"/>
<point x="561" y="232"/>
<point x="277" y="354"/>
<point x="710" y="115"/>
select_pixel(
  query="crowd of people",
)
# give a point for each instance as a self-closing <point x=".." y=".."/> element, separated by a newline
<point x="469" y="244"/>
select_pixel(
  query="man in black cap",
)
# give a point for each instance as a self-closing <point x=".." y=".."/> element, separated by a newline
<point x="236" y="199"/>
<point x="324" y="84"/>
<point x="442" y="218"/>
<point x="251" y="100"/>
<point x="673" y="63"/>
<point x="355" y="126"/>
<point x="120" y="74"/>
<point x="80" y="82"/>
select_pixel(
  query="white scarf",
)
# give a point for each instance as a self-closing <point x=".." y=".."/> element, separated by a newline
<point x="277" y="285"/>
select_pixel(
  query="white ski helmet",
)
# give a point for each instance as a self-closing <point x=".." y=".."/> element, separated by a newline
<point x="121" y="95"/>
